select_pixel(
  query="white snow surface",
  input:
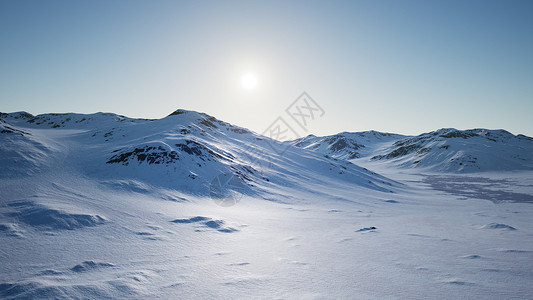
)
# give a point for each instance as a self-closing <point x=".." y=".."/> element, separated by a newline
<point x="443" y="150"/>
<point x="103" y="206"/>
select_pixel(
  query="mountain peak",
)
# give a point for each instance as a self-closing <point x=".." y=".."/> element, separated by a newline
<point x="179" y="111"/>
<point x="193" y="115"/>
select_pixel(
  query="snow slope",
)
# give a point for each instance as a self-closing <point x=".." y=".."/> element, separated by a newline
<point x="184" y="151"/>
<point x="346" y="145"/>
<point x="451" y="150"/>
<point x="103" y="206"/>
<point x="444" y="150"/>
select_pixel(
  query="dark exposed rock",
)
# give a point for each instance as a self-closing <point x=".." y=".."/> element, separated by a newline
<point x="209" y="122"/>
<point x="149" y="154"/>
<point x="177" y="112"/>
<point x="404" y="150"/>
<point x="458" y="134"/>
<point x="161" y="155"/>
<point x="11" y="130"/>
<point x="240" y="130"/>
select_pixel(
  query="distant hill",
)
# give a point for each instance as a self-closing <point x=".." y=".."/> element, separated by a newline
<point x="346" y="145"/>
<point x="184" y="151"/>
<point x="454" y="150"/>
<point x="444" y="150"/>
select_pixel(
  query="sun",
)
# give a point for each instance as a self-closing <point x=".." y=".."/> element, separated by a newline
<point x="249" y="81"/>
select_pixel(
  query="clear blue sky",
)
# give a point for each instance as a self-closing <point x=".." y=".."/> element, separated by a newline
<point x="397" y="66"/>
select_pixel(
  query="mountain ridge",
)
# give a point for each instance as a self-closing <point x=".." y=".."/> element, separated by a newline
<point x="159" y="142"/>
<point x="185" y="150"/>
<point x="443" y="150"/>
<point x="112" y="207"/>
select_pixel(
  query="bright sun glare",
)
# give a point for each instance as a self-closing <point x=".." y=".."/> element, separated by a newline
<point x="249" y="81"/>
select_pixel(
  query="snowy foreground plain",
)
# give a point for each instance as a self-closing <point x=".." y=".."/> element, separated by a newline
<point x="111" y="207"/>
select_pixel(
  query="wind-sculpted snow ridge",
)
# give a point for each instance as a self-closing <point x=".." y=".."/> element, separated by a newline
<point x="21" y="152"/>
<point x="77" y="283"/>
<point x="217" y="225"/>
<point x="46" y="218"/>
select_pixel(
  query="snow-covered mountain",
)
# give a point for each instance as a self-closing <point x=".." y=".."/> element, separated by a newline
<point x="88" y="176"/>
<point x="346" y="145"/>
<point x="452" y="150"/>
<point x="184" y="151"/>
<point x="444" y="150"/>
<point x="103" y="206"/>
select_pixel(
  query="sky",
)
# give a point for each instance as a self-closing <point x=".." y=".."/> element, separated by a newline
<point x="396" y="66"/>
